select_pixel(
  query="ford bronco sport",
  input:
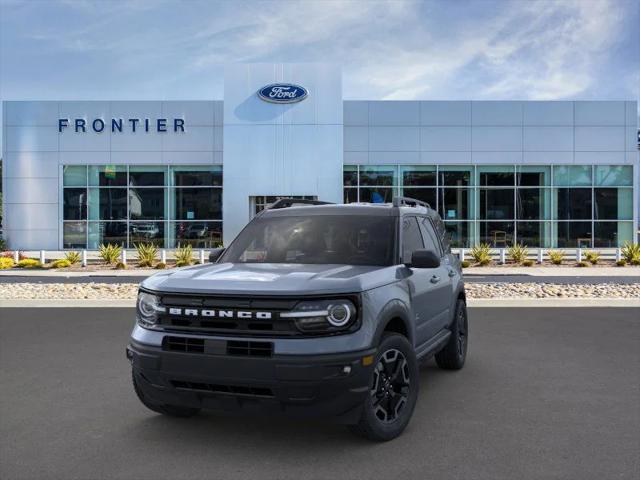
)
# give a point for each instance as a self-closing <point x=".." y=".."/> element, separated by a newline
<point x="314" y="309"/>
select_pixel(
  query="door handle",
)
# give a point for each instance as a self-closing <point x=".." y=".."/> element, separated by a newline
<point x="435" y="279"/>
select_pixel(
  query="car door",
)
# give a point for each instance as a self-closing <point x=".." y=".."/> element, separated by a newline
<point x="445" y="273"/>
<point x="423" y="283"/>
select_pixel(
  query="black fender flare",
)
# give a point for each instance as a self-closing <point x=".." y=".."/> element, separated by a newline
<point x="393" y="309"/>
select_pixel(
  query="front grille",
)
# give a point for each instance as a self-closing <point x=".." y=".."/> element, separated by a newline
<point x="250" y="349"/>
<point x="217" y="347"/>
<point x="223" y="389"/>
<point x="184" y="344"/>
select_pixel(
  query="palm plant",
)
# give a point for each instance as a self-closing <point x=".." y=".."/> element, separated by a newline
<point x="147" y="254"/>
<point x="481" y="253"/>
<point x="184" y="255"/>
<point x="518" y="253"/>
<point x="110" y="252"/>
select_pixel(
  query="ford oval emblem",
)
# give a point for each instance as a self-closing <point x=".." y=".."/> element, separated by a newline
<point x="283" y="93"/>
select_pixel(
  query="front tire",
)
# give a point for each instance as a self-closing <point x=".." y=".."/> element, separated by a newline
<point x="393" y="391"/>
<point x="169" y="410"/>
<point x="454" y="354"/>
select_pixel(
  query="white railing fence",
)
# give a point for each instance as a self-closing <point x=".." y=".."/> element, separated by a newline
<point x="541" y="255"/>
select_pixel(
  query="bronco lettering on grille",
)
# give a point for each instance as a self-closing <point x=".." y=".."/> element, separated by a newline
<point x="242" y="314"/>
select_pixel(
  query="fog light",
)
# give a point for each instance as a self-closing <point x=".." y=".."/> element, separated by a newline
<point x="368" y="360"/>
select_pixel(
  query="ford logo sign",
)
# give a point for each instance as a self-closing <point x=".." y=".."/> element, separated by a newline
<point x="283" y="93"/>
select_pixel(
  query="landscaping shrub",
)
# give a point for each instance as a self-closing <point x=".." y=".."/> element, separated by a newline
<point x="9" y="254"/>
<point x="518" y="253"/>
<point x="592" y="257"/>
<point x="184" y="256"/>
<point x="73" y="257"/>
<point x="527" y="263"/>
<point x="582" y="263"/>
<point x="6" y="262"/>
<point x="556" y="256"/>
<point x="481" y="254"/>
<point x="61" y="263"/>
<point x="121" y="266"/>
<point x="110" y="252"/>
<point x="29" y="263"/>
<point x="160" y="266"/>
<point x="147" y="254"/>
<point x="621" y="263"/>
<point x="465" y="263"/>
<point x="631" y="253"/>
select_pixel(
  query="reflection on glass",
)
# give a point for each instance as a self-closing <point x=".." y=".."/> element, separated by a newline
<point x="107" y="232"/>
<point x="108" y="176"/>
<point x="455" y="175"/>
<point x="532" y="203"/>
<point x="613" y="203"/>
<point x="146" y="232"/>
<point x="350" y="195"/>
<point x="74" y="204"/>
<point x="418" y="176"/>
<point x="74" y="175"/>
<point x="496" y="204"/>
<point x="196" y="234"/>
<point x="147" y="176"/>
<point x="74" y="235"/>
<point x="614" y="175"/>
<point x="198" y="203"/>
<point x="146" y="203"/>
<point x="424" y="194"/>
<point x="612" y="234"/>
<point x="496" y="175"/>
<point x="497" y="234"/>
<point x="197" y="176"/>
<point x="572" y="175"/>
<point x="108" y="204"/>
<point x="378" y="175"/>
<point x="533" y="176"/>
<point x="455" y="204"/>
<point x="350" y="176"/>
<point x="376" y="195"/>
<point x="530" y="234"/>
<point x="574" y="234"/>
<point x="458" y="234"/>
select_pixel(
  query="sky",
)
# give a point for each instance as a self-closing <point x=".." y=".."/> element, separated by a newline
<point x="403" y="50"/>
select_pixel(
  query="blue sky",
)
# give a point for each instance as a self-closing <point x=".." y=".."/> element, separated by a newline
<point x="154" y="49"/>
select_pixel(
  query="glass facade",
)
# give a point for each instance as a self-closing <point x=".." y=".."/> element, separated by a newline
<point x="536" y="205"/>
<point x="131" y="204"/>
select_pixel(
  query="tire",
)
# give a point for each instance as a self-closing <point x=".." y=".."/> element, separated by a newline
<point x="454" y="353"/>
<point x="394" y="386"/>
<point x="169" y="410"/>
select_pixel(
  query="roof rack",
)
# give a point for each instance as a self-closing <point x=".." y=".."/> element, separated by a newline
<point x="406" y="201"/>
<point x="291" y="202"/>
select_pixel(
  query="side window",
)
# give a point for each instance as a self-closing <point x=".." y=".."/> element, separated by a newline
<point x="411" y="238"/>
<point x="430" y="239"/>
<point x="443" y="234"/>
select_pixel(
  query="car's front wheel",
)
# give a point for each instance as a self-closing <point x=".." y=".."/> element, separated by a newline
<point x="393" y="390"/>
<point x="170" y="410"/>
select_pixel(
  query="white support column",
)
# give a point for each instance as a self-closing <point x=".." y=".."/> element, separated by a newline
<point x="540" y="255"/>
<point x="123" y="256"/>
<point x="163" y="256"/>
<point x="618" y="254"/>
<point x="578" y="254"/>
<point x="42" y="255"/>
<point x="201" y="256"/>
<point x="503" y="259"/>
<point x="461" y="254"/>
<point x="84" y="258"/>
<point x="16" y="256"/>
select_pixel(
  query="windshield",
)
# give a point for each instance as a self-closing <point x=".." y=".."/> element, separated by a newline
<point x="317" y="239"/>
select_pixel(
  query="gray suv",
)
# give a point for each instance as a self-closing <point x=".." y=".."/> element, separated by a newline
<point x="314" y="310"/>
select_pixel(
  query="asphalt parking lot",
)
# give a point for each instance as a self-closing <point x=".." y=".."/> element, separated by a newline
<point x="546" y="393"/>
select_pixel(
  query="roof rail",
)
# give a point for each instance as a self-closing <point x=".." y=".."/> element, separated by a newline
<point x="291" y="202"/>
<point x="402" y="201"/>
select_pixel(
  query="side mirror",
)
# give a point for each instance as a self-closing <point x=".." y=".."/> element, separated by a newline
<point x="424" y="259"/>
<point x="215" y="254"/>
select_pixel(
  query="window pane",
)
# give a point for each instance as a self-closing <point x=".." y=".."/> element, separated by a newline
<point x="459" y="233"/>
<point x="146" y="176"/>
<point x="572" y="175"/>
<point x="197" y="176"/>
<point x="612" y="234"/>
<point x="573" y="203"/>
<point x="424" y="194"/>
<point x="455" y="175"/>
<point x="146" y="203"/>
<point x="613" y="203"/>
<point x="497" y="234"/>
<point x="198" y="203"/>
<point x="75" y="204"/>
<point x="197" y="234"/>
<point x="574" y="234"/>
<point x="108" y="204"/>
<point x="380" y="175"/>
<point x="456" y="203"/>
<point x="418" y="175"/>
<point x="411" y="238"/>
<point x="614" y="175"/>
<point x="496" y="176"/>
<point x="146" y="232"/>
<point x="533" y="176"/>
<point x="107" y="232"/>
<point x="74" y="176"/>
<point x="429" y="236"/>
<point x="376" y="195"/>
<point x="350" y="195"/>
<point x="533" y="203"/>
<point x="496" y="204"/>
<point x="108" y="176"/>
<point x="531" y="234"/>
<point x="350" y="175"/>
<point x="74" y="235"/>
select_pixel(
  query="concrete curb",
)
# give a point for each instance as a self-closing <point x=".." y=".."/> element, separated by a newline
<point x="473" y="303"/>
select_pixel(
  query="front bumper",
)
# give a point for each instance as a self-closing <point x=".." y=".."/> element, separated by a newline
<point x="324" y="385"/>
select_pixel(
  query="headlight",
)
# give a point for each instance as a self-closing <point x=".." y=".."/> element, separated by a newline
<point x="148" y="306"/>
<point x="323" y="316"/>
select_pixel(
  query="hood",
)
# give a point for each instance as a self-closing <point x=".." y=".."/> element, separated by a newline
<point x="271" y="278"/>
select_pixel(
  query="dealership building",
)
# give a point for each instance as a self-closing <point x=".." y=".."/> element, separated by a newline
<point x="543" y="173"/>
